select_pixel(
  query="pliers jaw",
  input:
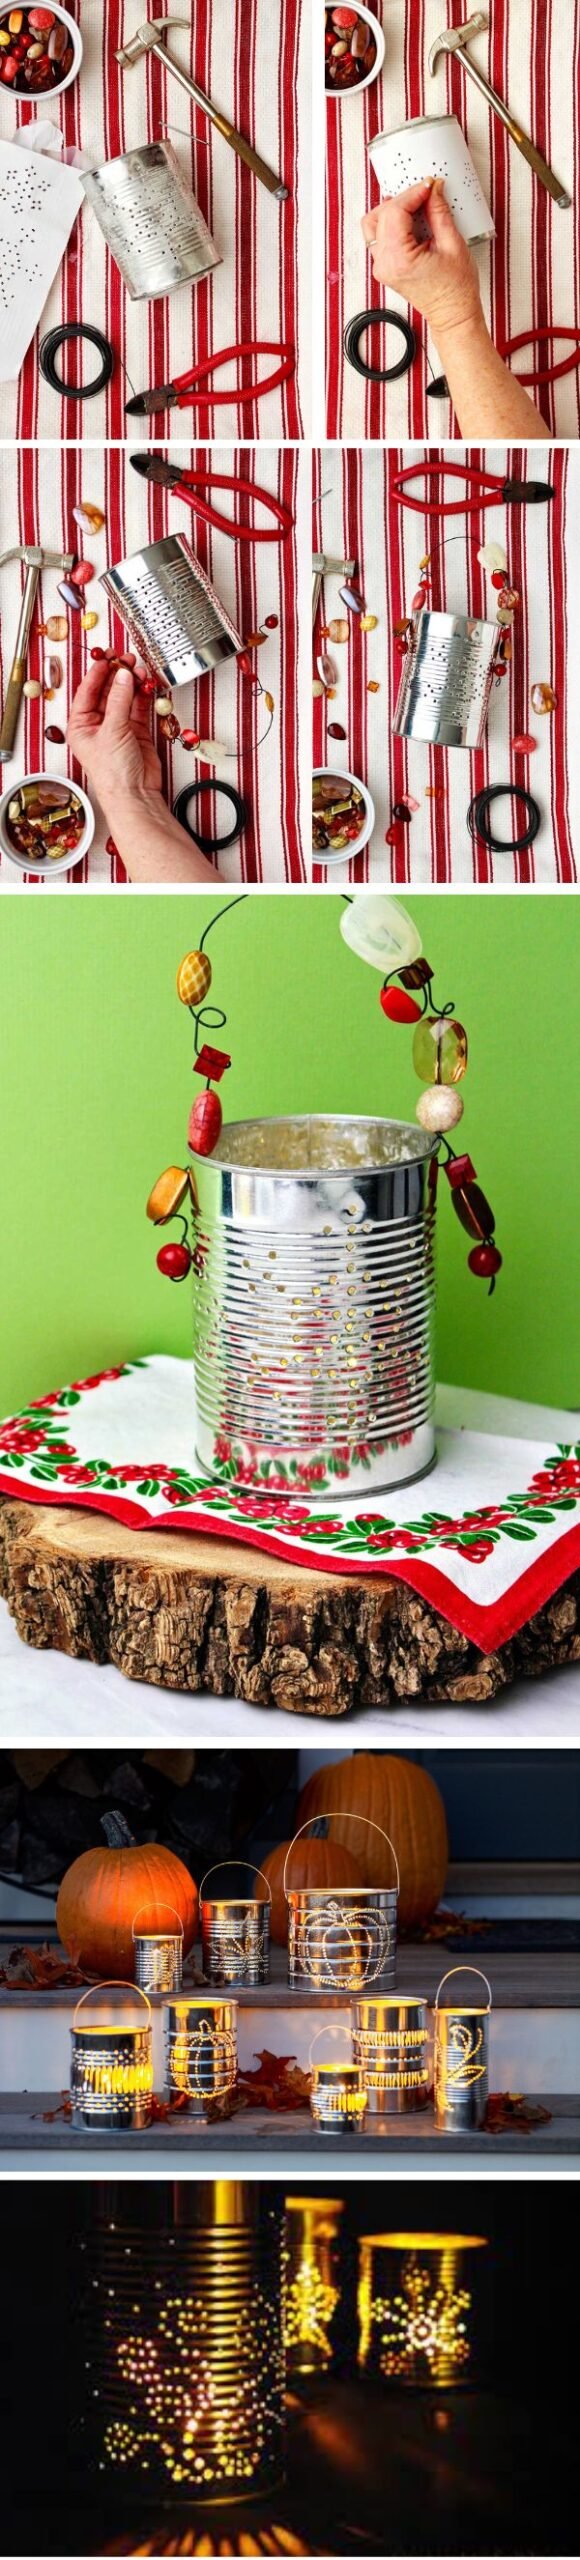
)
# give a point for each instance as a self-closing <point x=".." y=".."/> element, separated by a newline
<point x="150" y="404"/>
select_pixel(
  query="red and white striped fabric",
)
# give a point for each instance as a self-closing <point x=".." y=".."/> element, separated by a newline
<point x="254" y="61"/>
<point x="359" y="518"/>
<point x="37" y="496"/>
<point x="530" y="273"/>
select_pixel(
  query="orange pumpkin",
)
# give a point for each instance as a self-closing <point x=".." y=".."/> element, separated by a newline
<point x="102" y="1892"/>
<point x="406" y="1803"/>
<point x="313" y="1862"/>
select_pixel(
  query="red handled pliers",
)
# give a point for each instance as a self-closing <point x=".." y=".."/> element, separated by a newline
<point x="186" y="393"/>
<point x="189" y="485"/>
<point x="542" y="338"/>
<point x="484" y="489"/>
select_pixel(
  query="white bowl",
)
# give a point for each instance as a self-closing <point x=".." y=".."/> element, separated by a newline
<point x="351" y="851"/>
<point x="40" y="97"/>
<point x="341" y="95"/>
<point x="46" y="870"/>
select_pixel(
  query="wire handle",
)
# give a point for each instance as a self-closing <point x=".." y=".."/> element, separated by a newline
<point x="328" y="2031"/>
<point x="239" y="1862"/>
<point x="113" y="1985"/>
<point x="158" y="1933"/>
<point x="343" y="1817"/>
<point x="464" y="1968"/>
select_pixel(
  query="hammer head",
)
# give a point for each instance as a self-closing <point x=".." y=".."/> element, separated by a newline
<point x="145" y="39"/>
<point x="34" y="558"/>
<point x="456" y="39"/>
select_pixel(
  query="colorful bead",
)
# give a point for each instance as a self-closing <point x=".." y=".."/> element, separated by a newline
<point x="373" y="688"/>
<point x="473" y="1211"/>
<point x="401" y="628"/>
<point x="485" y="1261"/>
<point x="402" y="813"/>
<point x="439" y="1109"/>
<point x="163" y="705"/>
<point x="32" y="688"/>
<point x="82" y="573"/>
<point x="338" y="631"/>
<point x="498" y="579"/>
<point x="493" y="556"/>
<point x="543" y="699"/>
<point x="70" y="595"/>
<point x="392" y="835"/>
<point x="174" y="1260"/>
<point x="212" y="1062"/>
<point x="318" y="687"/>
<point x="379" y="929"/>
<point x="326" y="671"/>
<point x="193" y="978"/>
<point x="170" y="728"/>
<point x="271" y="620"/>
<point x="509" y="597"/>
<point x="459" y="1170"/>
<point x="167" y="1194"/>
<point x="205" y="1120"/>
<point x="351" y="597"/>
<point x="56" y="628"/>
<point x="398" y="1006"/>
<point x="418" y="974"/>
<point x="440" y="1050"/>
<point x="334" y="729"/>
<point x="419" y="599"/>
<point x="56" y="737"/>
<point x="87" y="514"/>
<point x="524" y="745"/>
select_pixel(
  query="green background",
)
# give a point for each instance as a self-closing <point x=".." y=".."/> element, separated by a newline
<point x="96" y="1088"/>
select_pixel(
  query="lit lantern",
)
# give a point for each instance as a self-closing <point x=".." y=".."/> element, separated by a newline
<point x="312" y="2281"/>
<point x="112" y="2062"/>
<point x="389" y="2042"/>
<point x="183" y="2343"/>
<point x="461" y="2059"/>
<point x="337" y="2098"/>
<point x="158" y="1952"/>
<point x="417" y="2304"/>
<point x="235" y="1935"/>
<point x="201" y="2055"/>
<point x="340" y="1939"/>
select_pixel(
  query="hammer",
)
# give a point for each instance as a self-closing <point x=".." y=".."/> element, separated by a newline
<point x="322" y="567"/>
<point x="35" y="561"/>
<point x="455" y="40"/>
<point x="149" y="40"/>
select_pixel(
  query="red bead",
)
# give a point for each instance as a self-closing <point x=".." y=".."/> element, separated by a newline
<point x="459" y="1170"/>
<point x="498" y="577"/>
<point x="191" y="737"/>
<point x="212" y="1062"/>
<point x="525" y="745"/>
<point x="393" y="835"/>
<point x="99" y="653"/>
<point x="204" y="1125"/>
<point x="271" y="621"/>
<point x="501" y="667"/>
<point x="473" y="1211"/>
<point x="174" y="1260"/>
<point x="244" y="662"/>
<point x="485" y="1261"/>
<point x="82" y="573"/>
<point x="398" y="1006"/>
<point x="148" y="685"/>
<point x="420" y="599"/>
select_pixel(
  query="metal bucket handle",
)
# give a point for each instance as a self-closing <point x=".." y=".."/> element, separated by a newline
<point x="113" y="1985"/>
<point x="238" y="1862"/>
<point x="329" y="2031"/>
<point x="158" y="1933"/>
<point x="464" y="1968"/>
<point x="342" y="1817"/>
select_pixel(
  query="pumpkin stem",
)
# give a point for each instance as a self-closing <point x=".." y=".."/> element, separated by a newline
<point x="116" y="1830"/>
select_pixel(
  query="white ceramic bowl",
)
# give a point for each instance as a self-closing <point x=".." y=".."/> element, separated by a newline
<point x="41" y="97"/>
<point x="326" y="772"/>
<point x="46" y="870"/>
<point x="341" y="95"/>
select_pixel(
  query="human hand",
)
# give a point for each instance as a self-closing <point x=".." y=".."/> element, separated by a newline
<point x="109" y="731"/>
<point x="436" y="274"/>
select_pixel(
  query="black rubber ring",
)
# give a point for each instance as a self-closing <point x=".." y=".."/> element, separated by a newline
<point x="478" y="817"/>
<point x="193" y="791"/>
<point x="48" y="352"/>
<point x="355" y="330"/>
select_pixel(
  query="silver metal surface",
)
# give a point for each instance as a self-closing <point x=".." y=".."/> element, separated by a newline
<point x="389" y="2043"/>
<point x="201" y="2054"/>
<point x="454" y="40"/>
<point x="340" y="1938"/>
<point x="149" y="39"/>
<point x="313" y="2281"/>
<point x="418" y="2300"/>
<point x="235" y="1936"/>
<point x="150" y="221"/>
<point x="337" y="2098"/>
<point x="170" y="610"/>
<point x="461" y="2059"/>
<point x="324" y="567"/>
<point x="158" y="1963"/>
<point x="313" y="1304"/>
<point x="446" y="680"/>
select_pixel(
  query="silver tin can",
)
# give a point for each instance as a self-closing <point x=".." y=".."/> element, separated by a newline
<point x="150" y="221"/>
<point x="461" y="2059"/>
<point x="158" y="1953"/>
<point x="418" y="2302"/>
<point x="337" y="2098"/>
<point x="313" y="2282"/>
<point x="235" y="1934"/>
<point x="201" y="2054"/>
<point x="447" y="677"/>
<point x="389" y="2043"/>
<point x="434" y="147"/>
<point x="171" y="611"/>
<point x="340" y="1938"/>
<point x="313" y="1304"/>
<point x="111" y="2078"/>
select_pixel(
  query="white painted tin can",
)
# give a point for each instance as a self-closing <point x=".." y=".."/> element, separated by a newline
<point x="434" y="147"/>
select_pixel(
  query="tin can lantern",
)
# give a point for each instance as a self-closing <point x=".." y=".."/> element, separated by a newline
<point x="201" y="2055"/>
<point x="150" y="221"/>
<point x="337" y="2098"/>
<point x="235" y="1935"/>
<point x="183" y="2344"/>
<point x="447" y="677"/>
<point x="418" y="2306"/>
<point x="313" y="1303"/>
<point x="341" y="1938"/>
<point x="170" y="610"/>
<point x="312" y="2291"/>
<point x="111" y="2081"/>
<point x="158" y="1952"/>
<point x="434" y="147"/>
<point x="461" y="2059"/>
<point x="390" y="2045"/>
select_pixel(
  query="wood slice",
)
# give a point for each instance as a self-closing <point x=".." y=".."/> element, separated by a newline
<point x="205" y="1614"/>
